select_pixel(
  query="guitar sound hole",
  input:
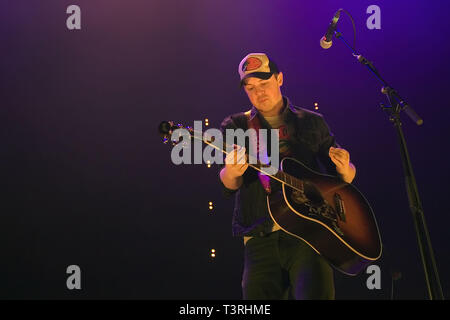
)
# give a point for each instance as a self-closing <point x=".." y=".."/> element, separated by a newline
<point x="313" y="194"/>
<point x="298" y="197"/>
<point x="310" y="195"/>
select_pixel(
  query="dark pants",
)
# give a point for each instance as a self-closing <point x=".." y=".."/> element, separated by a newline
<point x="280" y="266"/>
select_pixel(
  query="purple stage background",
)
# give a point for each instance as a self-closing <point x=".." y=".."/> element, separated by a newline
<point x="88" y="182"/>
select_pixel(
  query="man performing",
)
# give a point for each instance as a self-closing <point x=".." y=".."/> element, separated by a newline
<point x="278" y="265"/>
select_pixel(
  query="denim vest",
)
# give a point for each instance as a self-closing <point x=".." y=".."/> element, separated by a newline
<point x="309" y="142"/>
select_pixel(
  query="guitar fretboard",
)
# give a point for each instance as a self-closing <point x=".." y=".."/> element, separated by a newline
<point x="280" y="176"/>
<point x="290" y="180"/>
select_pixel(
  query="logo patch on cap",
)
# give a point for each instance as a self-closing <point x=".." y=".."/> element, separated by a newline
<point x="251" y="63"/>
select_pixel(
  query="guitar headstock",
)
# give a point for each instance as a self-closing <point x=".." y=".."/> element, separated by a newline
<point x="166" y="128"/>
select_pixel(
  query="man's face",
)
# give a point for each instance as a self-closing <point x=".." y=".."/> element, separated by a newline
<point x="265" y="95"/>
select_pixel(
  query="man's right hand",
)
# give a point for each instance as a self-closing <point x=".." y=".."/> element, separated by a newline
<point x="235" y="166"/>
<point x="236" y="162"/>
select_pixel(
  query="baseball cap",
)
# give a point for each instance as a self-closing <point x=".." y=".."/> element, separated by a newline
<point x="257" y="65"/>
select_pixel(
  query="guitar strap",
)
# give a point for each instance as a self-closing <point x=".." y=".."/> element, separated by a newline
<point x="261" y="149"/>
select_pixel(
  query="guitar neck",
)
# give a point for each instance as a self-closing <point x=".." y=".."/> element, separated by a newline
<point x="291" y="181"/>
<point x="279" y="176"/>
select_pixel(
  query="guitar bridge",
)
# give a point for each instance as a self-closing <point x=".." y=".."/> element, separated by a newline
<point x="340" y="209"/>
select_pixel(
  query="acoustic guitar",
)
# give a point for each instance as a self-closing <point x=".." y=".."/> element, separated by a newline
<point x="330" y="215"/>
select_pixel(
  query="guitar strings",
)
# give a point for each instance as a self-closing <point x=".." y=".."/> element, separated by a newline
<point x="226" y="146"/>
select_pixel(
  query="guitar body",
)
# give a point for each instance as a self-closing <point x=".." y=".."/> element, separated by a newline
<point x="331" y="216"/>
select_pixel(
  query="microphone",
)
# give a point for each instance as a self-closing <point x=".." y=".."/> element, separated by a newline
<point x="325" y="41"/>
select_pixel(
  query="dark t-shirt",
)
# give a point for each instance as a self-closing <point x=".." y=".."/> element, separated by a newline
<point x="307" y="139"/>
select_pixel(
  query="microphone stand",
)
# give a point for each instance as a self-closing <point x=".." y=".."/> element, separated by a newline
<point x="395" y="107"/>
